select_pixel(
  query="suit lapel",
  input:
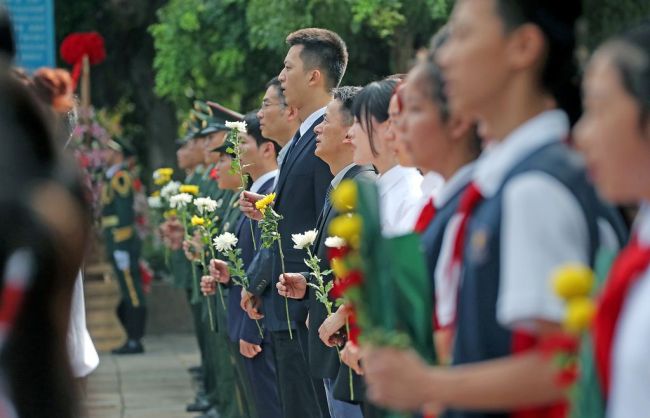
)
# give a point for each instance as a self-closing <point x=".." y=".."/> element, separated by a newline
<point x="296" y="153"/>
<point x="327" y="212"/>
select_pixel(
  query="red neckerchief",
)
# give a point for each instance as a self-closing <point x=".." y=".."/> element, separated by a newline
<point x="626" y="271"/>
<point x="427" y="214"/>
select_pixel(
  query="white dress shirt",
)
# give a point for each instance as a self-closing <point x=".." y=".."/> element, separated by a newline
<point x="339" y="176"/>
<point x="255" y="187"/>
<point x="630" y="372"/>
<point x="542" y="228"/>
<point x="400" y="199"/>
<point x="306" y="124"/>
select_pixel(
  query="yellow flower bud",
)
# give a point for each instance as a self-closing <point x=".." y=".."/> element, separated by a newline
<point x="196" y="221"/>
<point x="347" y="227"/>
<point x="338" y="267"/>
<point x="166" y="172"/>
<point x="580" y="312"/>
<point x="169" y="213"/>
<point x="344" y="197"/>
<point x="573" y="281"/>
<point x="156" y="193"/>
<point x="189" y="188"/>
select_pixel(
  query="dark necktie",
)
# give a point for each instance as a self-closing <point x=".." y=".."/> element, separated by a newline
<point x="294" y="141"/>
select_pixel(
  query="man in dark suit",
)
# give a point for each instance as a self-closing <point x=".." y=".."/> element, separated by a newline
<point x="334" y="147"/>
<point x="314" y="65"/>
<point x="259" y="160"/>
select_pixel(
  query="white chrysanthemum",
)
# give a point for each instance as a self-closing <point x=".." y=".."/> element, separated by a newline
<point x="180" y="200"/>
<point x="238" y="126"/>
<point x="334" y="242"/>
<point x="205" y="205"/>
<point x="154" y="202"/>
<point x="169" y="189"/>
<point x="302" y="241"/>
<point x="225" y="242"/>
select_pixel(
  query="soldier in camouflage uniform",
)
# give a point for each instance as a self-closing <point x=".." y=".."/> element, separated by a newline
<point x="123" y="247"/>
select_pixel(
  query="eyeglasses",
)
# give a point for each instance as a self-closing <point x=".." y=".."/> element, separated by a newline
<point x="267" y="104"/>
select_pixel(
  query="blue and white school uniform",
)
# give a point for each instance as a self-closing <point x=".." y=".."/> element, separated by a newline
<point x="537" y="213"/>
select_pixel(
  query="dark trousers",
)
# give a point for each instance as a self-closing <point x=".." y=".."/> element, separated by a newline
<point x="300" y="395"/>
<point x="263" y="379"/>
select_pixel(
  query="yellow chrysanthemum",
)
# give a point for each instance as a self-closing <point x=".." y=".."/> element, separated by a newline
<point x="264" y="202"/>
<point x="162" y="180"/>
<point x="573" y="281"/>
<point x="166" y="172"/>
<point x="196" y="221"/>
<point x="580" y="312"/>
<point x="156" y="193"/>
<point x="344" y="197"/>
<point x="347" y="227"/>
<point x="338" y="267"/>
<point x="189" y="188"/>
<point x="169" y="213"/>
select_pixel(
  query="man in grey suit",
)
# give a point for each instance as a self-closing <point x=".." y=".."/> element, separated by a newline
<point x="334" y="147"/>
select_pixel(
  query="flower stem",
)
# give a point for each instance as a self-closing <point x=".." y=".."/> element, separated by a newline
<point x="206" y="298"/>
<point x="347" y="329"/>
<point x="286" y="299"/>
<point x="259" y="328"/>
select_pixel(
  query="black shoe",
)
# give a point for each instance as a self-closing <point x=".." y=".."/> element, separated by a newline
<point x="130" y="347"/>
<point x="211" y="413"/>
<point x="200" y="405"/>
<point x="195" y="370"/>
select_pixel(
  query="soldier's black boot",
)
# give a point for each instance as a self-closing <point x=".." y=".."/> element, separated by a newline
<point x="130" y="347"/>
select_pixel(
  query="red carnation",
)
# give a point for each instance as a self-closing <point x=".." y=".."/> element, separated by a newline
<point x="214" y="175"/>
<point x="559" y="343"/>
<point x="337" y="252"/>
<point x="342" y="284"/>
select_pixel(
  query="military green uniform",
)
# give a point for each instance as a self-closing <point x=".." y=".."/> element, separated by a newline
<point x="123" y="248"/>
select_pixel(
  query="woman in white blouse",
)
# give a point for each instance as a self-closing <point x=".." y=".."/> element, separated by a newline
<point x="399" y="187"/>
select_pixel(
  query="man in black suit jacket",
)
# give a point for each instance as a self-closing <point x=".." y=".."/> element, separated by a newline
<point x="314" y="65"/>
<point x="336" y="150"/>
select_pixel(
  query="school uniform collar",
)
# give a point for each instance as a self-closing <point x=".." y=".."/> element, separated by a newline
<point x="306" y="124"/>
<point x="257" y="184"/>
<point x="459" y="180"/>
<point x="642" y="224"/>
<point x="432" y="184"/>
<point x="339" y="176"/>
<point x="390" y="179"/>
<point x="496" y="162"/>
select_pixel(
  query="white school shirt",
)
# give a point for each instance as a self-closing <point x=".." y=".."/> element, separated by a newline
<point x="399" y="200"/>
<point x="630" y="383"/>
<point x="432" y="184"/>
<point x="543" y="227"/>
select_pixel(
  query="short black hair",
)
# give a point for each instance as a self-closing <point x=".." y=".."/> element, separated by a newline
<point x="322" y="49"/>
<point x="346" y="95"/>
<point x="253" y="129"/>
<point x="372" y="102"/>
<point x="557" y="21"/>
<point x="275" y="82"/>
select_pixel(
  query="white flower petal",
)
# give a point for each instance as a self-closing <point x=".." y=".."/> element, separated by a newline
<point x="335" y="242"/>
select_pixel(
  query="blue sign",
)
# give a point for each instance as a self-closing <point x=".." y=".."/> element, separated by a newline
<point x="33" y="22"/>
